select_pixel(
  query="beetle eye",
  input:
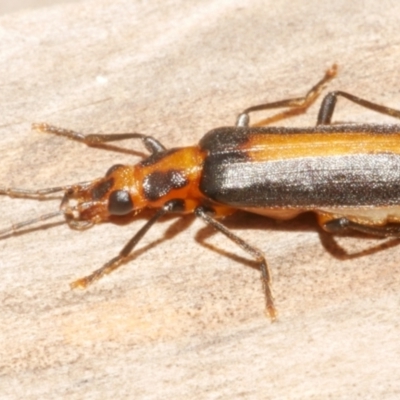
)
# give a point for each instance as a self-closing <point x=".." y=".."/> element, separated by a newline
<point x="120" y="203"/>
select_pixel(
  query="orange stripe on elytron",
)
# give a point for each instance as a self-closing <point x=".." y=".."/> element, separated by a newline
<point x="264" y="147"/>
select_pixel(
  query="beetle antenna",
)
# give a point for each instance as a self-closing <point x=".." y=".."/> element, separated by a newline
<point x="14" y="228"/>
<point x="30" y="194"/>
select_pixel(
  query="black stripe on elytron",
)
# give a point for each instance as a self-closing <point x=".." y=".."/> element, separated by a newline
<point x="353" y="180"/>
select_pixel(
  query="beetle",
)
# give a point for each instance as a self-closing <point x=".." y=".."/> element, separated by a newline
<point x="345" y="173"/>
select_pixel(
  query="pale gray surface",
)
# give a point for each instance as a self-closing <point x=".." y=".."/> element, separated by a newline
<point x="7" y="6"/>
<point x="183" y="320"/>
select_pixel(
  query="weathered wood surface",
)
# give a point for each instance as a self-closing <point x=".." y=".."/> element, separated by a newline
<point x="184" y="319"/>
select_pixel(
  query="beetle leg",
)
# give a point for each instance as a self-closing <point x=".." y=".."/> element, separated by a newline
<point x="114" y="263"/>
<point x="296" y="106"/>
<point x="96" y="139"/>
<point x="339" y="225"/>
<point x="329" y="102"/>
<point x="204" y="214"/>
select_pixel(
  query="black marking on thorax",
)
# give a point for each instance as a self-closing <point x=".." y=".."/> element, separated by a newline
<point x="159" y="184"/>
<point x="157" y="157"/>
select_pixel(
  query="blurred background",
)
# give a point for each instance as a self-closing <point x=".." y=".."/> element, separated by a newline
<point x="20" y="5"/>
